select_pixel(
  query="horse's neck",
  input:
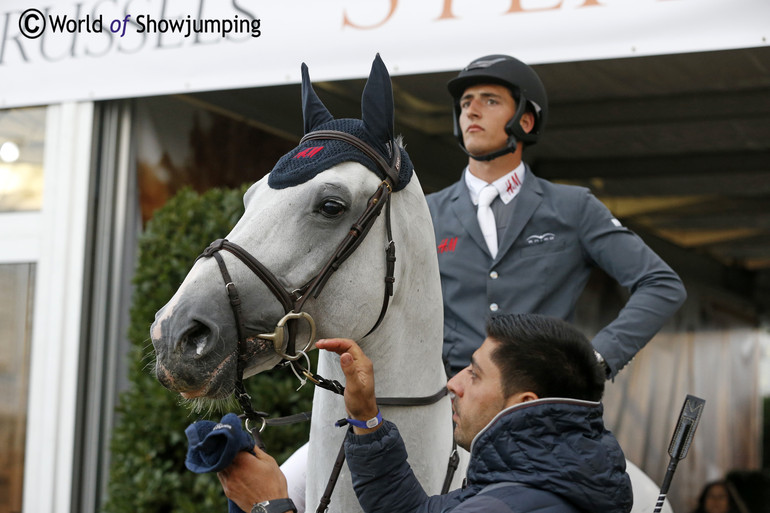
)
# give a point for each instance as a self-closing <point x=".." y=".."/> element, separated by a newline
<point x="406" y="352"/>
<point x="406" y="358"/>
<point x="406" y="348"/>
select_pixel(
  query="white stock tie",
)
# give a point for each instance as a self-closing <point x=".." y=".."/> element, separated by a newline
<point x="487" y="218"/>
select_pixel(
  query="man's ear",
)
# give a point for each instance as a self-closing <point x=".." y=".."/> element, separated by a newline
<point x="520" y="397"/>
<point x="527" y="122"/>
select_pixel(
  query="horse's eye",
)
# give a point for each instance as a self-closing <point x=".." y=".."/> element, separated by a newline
<point x="331" y="208"/>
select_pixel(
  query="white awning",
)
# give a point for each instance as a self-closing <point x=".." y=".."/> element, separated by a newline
<point x="105" y="49"/>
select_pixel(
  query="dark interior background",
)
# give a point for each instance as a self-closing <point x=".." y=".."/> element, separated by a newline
<point x="678" y="146"/>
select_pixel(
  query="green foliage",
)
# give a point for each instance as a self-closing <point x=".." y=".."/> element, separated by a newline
<point x="148" y="444"/>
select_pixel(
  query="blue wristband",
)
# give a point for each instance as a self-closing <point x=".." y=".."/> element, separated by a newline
<point x="367" y="424"/>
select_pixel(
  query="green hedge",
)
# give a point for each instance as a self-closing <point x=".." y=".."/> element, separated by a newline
<point x="148" y="447"/>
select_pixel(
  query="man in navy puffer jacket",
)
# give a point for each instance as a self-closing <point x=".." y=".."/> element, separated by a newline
<point x="527" y="408"/>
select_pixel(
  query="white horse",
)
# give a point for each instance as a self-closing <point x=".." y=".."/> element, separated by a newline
<point x="293" y="222"/>
<point x="293" y="230"/>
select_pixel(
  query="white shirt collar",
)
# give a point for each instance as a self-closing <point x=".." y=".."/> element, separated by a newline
<point x="508" y="186"/>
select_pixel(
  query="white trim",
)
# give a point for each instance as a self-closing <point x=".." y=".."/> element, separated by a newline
<point x="57" y="316"/>
<point x="20" y="237"/>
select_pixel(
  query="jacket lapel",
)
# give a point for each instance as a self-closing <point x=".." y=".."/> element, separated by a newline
<point x="525" y="204"/>
<point x="465" y="212"/>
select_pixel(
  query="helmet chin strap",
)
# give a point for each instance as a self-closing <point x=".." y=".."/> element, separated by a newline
<point x="510" y="147"/>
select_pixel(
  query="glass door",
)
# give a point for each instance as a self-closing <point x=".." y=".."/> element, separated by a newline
<point x="16" y="299"/>
<point x="22" y="135"/>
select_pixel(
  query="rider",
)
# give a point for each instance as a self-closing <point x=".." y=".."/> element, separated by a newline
<point x="540" y="241"/>
<point x="526" y="408"/>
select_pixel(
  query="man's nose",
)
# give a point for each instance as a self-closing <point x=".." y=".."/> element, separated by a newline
<point x="472" y="110"/>
<point x="453" y="385"/>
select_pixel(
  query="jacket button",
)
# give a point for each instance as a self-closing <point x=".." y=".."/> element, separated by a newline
<point x="494" y="307"/>
<point x="493" y="275"/>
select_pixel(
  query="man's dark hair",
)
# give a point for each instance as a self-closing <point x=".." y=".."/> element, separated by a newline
<point x="546" y="356"/>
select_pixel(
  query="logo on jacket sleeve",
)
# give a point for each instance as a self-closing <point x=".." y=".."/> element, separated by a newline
<point x="447" y="245"/>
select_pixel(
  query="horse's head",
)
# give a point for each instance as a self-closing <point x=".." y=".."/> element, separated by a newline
<point x="295" y="219"/>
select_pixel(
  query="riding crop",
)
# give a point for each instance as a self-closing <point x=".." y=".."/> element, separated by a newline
<point x="680" y="442"/>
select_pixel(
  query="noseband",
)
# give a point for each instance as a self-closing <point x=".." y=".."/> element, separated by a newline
<point x="293" y="301"/>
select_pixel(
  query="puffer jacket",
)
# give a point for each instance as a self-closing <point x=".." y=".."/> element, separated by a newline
<point x="548" y="456"/>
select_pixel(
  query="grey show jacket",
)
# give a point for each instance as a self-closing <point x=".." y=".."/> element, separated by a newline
<point x="555" y="235"/>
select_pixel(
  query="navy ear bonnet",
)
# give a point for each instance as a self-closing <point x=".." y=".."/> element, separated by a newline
<point x="376" y="129"/>
<point x="315" y="156"/>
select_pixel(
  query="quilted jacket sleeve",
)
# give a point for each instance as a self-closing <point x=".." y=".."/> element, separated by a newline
<point x="382" y="478"/>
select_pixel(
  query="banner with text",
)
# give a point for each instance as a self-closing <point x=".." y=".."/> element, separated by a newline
<point x="60" y="51"/>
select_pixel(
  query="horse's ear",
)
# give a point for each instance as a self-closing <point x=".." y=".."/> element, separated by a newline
<point x="313" y="110"/>
<point x="377" y="102"/>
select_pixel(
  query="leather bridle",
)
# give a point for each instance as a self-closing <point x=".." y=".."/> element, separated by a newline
<point x="293" y="302"/>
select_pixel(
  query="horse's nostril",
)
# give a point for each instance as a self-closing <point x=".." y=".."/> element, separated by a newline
<point x="196" y="337"/>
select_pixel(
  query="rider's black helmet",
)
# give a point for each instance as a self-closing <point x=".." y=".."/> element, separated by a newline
<point x="525" y="86"/>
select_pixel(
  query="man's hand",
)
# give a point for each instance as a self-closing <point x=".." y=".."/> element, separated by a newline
<point x="249" y="479"/>
<point x="360" y="400"/>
